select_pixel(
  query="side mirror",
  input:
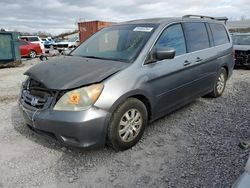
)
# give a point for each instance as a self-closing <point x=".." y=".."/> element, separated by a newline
<point x="161" y="53"/>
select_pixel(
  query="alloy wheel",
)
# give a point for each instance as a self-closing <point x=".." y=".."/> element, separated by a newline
<point x="32" y="54"/>
<point x="220" y="83"/>
<point x="130" y="125"/>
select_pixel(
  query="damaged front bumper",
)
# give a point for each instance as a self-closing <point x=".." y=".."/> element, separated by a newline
<point x="84" y="129"/>
<point x="242" y="58"/>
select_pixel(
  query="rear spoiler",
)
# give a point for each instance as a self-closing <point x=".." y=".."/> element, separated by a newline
<point x="225" y="19"/>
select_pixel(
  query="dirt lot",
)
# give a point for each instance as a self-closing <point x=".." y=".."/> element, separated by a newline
<point x="197" y="146"/>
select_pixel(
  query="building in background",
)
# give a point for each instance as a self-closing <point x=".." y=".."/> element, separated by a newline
<point x="86" y="29"/>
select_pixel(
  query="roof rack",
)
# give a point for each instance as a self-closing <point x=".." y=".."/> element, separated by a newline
<point x="207" y="17"/>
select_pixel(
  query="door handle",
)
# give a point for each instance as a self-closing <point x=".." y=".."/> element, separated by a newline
<point x="186" y="63"/>
<point x="198" y="59"/>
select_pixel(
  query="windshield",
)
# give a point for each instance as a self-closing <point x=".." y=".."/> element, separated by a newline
<point x="118" y="43"/>
<point x="73" y="39"/>
<point x="241" y="39"/>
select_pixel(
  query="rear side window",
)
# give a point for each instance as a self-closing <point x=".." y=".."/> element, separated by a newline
<point x="196" y="36"/>
<point x="173" y="37"/>
<point x="219" y="34"/>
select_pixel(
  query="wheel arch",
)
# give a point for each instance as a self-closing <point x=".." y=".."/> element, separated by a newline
<point x="226" y="68"/>
<point x="30" y="50"/>
<point x="141" y="96"/>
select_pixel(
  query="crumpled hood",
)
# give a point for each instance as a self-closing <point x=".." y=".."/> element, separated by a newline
<point x="242" y="47"/>
<point x="70" y="72"/>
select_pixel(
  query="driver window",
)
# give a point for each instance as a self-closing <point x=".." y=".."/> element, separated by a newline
<point x="173" y="37"/>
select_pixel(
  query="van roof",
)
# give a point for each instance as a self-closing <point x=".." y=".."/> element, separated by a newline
<point x="175" y="19"/>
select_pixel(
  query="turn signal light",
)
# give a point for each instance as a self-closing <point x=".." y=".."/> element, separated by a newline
<point x="74" y="98"/>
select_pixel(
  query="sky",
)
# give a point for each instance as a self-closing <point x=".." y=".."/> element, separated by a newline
<point x="57" y="16"/>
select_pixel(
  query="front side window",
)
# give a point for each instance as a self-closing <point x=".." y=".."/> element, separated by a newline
<point x="173" y="37"/>
<point x="219" y="34"/>
<point x="120" y="43"/>
<point x="24" y="38"/>
<point x="196" y="36"/>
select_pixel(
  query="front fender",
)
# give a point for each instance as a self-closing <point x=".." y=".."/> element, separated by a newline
<point x="124" y="97"/>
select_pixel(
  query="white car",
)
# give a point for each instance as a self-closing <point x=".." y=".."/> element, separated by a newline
<point x="66" y="46"/>
<point x="33" y="39"/>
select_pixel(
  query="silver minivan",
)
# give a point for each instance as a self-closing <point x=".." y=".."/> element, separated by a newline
<point x="111" y="86"/>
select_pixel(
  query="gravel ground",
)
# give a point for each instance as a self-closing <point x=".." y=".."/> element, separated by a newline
<point x="196" y="146"/>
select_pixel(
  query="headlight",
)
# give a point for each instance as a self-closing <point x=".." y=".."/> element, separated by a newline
<point x="79" y="99"/>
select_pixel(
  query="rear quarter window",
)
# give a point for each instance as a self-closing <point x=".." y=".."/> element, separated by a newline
<point x="196" y="36"/>
<point x="219" y="33"/>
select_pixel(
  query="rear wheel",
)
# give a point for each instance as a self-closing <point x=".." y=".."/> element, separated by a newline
<point x="32" y="54"/>
<point x="220" y="83"/>
<point x="127" y="124"/>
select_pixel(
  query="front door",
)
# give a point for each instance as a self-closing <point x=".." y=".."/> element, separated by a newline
<point x="171" y="80"/>
<point x="24" y="49"/>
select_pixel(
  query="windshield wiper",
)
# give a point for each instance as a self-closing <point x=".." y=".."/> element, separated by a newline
<point x="112" y="59"/>
<point x="94" y="57"/>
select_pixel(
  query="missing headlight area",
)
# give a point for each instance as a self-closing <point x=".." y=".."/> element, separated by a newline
<point x="35" y="95"/>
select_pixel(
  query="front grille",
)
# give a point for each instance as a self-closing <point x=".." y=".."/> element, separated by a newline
<point x="242" y="57"/>
<point x="32" y="100"/>
<point x="62" y="45"/>
<point x="36" y="96"/>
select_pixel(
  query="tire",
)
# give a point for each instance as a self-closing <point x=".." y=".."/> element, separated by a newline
<point x="127" y="124"/>
<point x="220" y="83"/>
<point x="43" y="58"/>
<point x="32" y="54"/>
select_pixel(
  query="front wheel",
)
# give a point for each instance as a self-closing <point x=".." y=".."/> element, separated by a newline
<point x="127" y="124"/>
<point x="32" y="54"/>
<point x="220" y="83"/>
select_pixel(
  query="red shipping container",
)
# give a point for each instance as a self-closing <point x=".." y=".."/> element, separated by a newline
<point x="86" y="29"/>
